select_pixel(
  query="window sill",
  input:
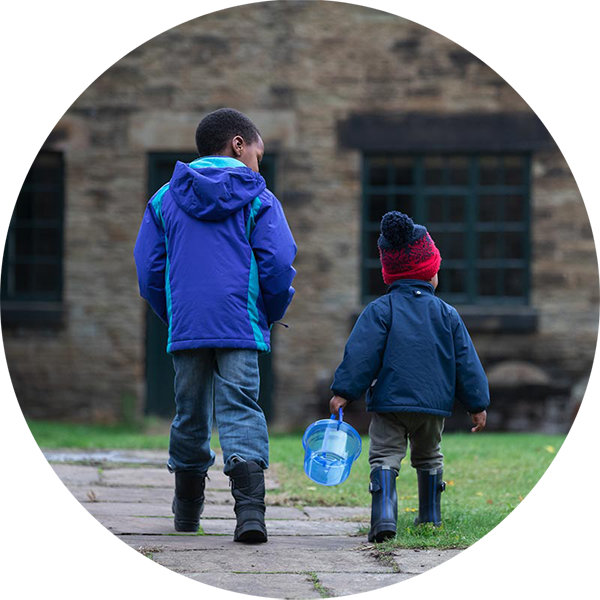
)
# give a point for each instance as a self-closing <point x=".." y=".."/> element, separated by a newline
<point x="32" y="314"/>
<point x="495" y="319"/>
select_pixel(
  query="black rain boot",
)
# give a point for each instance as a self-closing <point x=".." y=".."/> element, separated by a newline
<point x="248" y="490"/>
<point x="188" y="501"/>
<point x="384" y="504"/>
<point x="431" y="487"/>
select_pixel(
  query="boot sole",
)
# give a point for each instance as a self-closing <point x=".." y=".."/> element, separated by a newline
<point x="382" y="535"/>
<point x="251" y="533"/>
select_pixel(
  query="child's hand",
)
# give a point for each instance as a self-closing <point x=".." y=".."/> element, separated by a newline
<point x="336" y="403"/>
<point x="479" y="420"/>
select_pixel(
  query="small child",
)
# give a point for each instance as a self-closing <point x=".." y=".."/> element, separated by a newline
<point x="214" y="260"/>
<point x="413" y="353"/>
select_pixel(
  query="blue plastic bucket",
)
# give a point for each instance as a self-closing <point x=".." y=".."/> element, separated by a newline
<point x="330" y="448"/>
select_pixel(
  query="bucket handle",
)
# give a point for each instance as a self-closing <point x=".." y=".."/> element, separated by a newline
<point x="341" y="416"/>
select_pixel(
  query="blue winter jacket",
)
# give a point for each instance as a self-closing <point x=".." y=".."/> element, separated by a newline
<point x="413" y="353"/>
<point x="214" y="256"/>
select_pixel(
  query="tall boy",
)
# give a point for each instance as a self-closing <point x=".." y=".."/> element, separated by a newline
<point x="214" y="259"/>
<point x="413" y="353"/>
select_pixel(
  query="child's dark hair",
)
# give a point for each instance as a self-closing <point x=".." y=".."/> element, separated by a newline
<point x="220" y="126"/>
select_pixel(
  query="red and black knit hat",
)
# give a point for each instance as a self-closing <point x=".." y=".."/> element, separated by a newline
<point x="406" y="250"/>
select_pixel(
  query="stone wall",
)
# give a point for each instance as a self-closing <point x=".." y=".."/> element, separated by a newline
<point x="297" y="69"/>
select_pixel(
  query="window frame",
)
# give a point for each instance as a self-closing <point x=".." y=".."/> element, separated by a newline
<point x="35" y="307"/>
<point x="472" y="191"/>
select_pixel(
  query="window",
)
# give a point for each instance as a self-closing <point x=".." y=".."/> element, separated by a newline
<point x="476" y="208"/>
<point x="32" y="265"/>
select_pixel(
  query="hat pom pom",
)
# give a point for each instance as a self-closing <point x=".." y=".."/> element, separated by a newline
<point x="397" y="228"/>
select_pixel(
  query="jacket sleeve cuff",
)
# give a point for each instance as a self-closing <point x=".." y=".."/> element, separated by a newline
<point x="344" y="395"/>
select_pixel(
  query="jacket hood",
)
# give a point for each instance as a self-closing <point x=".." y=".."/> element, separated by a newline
<point x="211" y="189"/>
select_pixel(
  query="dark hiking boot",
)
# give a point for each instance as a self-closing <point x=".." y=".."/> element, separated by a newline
<point x="431" y="487"/>
<point x="384" y="504"/>
<point x="248" y="490"/>
<point x="188" y="501"/>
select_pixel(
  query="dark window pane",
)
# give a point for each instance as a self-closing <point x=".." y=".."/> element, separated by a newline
<point x="47" y="205"/>
<point x="454" y="280"/>
<point x="514" y="245"/>
<point x="454" y="245"/>
<point x="24" y="207"/>
<point x="490" y="209"/>
<point x="48" y="242"/>
<point x="435" y="209"/>
<point x="23" y="237"/>
<point x="372" y="249"/>
<point x="514" y="282"/>
<point x="378" y="172"/>
<point x="457" y="209"/>
<point x="513" y="170"/>
<point x="488" y="245"/>
<point x="458" y="170"/>
<point x="23" y="276"/>
<point x="47" y="278"/>
<point x="375" y="282"/>
<point x="434" y="170"/>
<point x="377" y="207"/>
<point x="489" y="170"/>
<point x="404" y="204"/>
<point x="403" y="170"/>
<point x="487" y="282"/>
<point x="514" y="209"/>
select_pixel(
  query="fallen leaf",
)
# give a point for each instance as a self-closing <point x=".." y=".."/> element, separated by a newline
<point x="311" y="488"/>
<point x="479" y="493"/>
<point x="490" y="501"/>
<point x="451" y="482"/>
<point x="410" y="510"/>
<point x="550" y="449"/>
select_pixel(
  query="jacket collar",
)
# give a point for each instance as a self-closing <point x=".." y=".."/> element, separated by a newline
<point x="412" y="284"/>
<point x="218" y="162"/>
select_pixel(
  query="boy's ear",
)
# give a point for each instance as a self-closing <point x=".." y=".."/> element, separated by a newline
<point x="237" y="145"/>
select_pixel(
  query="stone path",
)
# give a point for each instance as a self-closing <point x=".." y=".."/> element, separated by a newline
<point x="313" y="552"/>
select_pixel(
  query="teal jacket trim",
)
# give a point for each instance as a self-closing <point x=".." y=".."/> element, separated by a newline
<point x="157" y="206"/>
<point x="253" y="283"/>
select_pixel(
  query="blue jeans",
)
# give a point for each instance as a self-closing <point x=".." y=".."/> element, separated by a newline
<point x="226" y="381"/>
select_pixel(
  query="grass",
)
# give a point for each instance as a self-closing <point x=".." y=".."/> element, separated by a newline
<point x="487" y="476"/>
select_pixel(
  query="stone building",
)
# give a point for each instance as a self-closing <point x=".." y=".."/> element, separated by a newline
<point x="361" y="112"/>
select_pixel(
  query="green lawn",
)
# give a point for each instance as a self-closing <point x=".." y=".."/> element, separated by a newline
<point x="488" y="474"/>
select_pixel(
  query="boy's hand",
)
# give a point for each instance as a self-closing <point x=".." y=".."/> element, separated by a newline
<point x="479" y="420"/>
<point x="336" y="403"/>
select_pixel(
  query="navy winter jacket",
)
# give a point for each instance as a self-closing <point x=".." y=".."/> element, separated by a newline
<point x="413" y="353"/>
<point x="214" y="256"/>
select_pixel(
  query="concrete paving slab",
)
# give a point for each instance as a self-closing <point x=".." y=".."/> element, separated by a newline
<point x="337" y="513"/>
<point x="77" y="474"/>
<point x="264" y="558"/>
<point x="183" y="542"/>
<point x="164" y="525"/>
<point x="266" y="585"/>
<point x="151" y="495"/>
<point x="419" y="561"/>
<point x="346" y="584"/>
<point x="153" y="509"/>
<point x="152" y="477"/>
<point x="274" y="527"/>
